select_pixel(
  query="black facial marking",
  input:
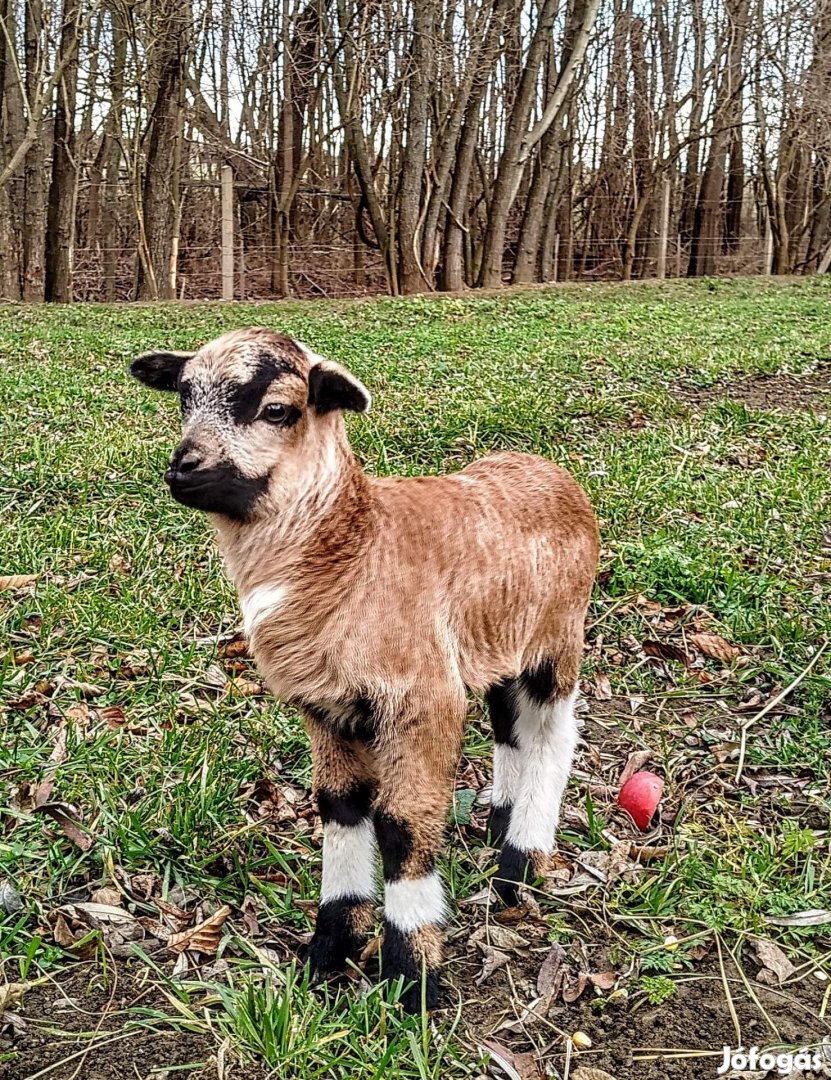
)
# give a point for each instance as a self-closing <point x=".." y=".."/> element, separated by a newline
<point x="220" y="490"/>
<point x="539" y="682"/>
<point x="501" y="699"/>
<point x="185" y="393"/>
<point x="395" y="841"/>
<point x="245" y="399"/>
<point x="499" y="820"/>
<point x="399" y="961"/>
<point x="349" y="808"/>
<point x="160" y="370"/>
<point x="329" y="390"/>
<point x="514" y="868"/>
<point x="335" y="939"/>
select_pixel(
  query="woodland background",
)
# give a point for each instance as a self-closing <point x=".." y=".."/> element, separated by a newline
<point x="408" y="145"/>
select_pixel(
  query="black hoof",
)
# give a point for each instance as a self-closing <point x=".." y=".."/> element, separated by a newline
<point x="513" y="871"/>
<point x="420" y="997"/>
<point x="325" y="954"/>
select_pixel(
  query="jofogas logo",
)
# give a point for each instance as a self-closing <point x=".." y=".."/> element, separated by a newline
<point x="755" y="1060"/>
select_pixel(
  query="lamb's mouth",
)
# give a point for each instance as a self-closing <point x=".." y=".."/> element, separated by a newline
<point x="219" y="490"/>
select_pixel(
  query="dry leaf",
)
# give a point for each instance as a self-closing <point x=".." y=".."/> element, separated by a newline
<point x="58" y="754"/>
<point x="27" y="700"/>
<point x="602" y="688"/>
<point x="67" y="817"/>
<point x="107" y="895"/>
<point x="573" y="986"/>
<point x="494" y="959"/>
<point x="204" y="937"/>
<point x="248" y="687"/>
<point x="369" y="950"/>
<point x="12" y="994"/>
<point x="516" y="1066"/>
<point x="665" y="650"/>
<point x="99" y="916"/>
<point x="79" y="715"/>
<point x="603" y="980"/>
<point x="635" y="763"/>
<point x="233" y="648"/>
<point x="814" y="917"/>
<point x="550" y="969"/>
<point x="216" y="677"/>
<point x="62" y="934"/>
<point x="715" y="646"/>
<point x="500" y="937"/>
<point x="17" y="581"/>
<point x="85" y="689"/>
<point x="773" y="961"/>
<point x="113" y="716"/>
<point x="11" y="901"/>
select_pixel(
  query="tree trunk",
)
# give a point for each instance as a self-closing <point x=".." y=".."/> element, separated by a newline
<point x="60" y="224"/>
<point x="160" y="190"/>
<point x="518" y="141"/>
<point x="410" y="276"/>
<point x="707" y="235"/>
<point x="34" y="165"/>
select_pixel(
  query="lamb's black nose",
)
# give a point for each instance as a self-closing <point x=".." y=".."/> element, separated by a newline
<point x="189" y="461"/>
<point x="184" y="460"/>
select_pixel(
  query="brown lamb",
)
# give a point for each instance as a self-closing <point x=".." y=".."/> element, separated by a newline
<point x="375" y="605"/>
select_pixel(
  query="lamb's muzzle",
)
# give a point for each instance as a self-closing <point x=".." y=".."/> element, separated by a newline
<point x="375" y="605"/>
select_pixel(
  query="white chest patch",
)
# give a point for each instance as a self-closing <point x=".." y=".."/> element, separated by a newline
<point x="260" y="602"/>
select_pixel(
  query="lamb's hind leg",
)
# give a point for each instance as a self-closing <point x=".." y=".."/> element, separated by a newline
<point x="344" y="785"/>
<point x="535" y="765"/>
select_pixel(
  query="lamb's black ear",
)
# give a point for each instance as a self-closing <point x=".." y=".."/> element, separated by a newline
<point x="333" y="387"/>
<point x="161" y="370"/>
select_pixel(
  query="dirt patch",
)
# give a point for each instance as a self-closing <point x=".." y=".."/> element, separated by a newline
<point x="624" y="1038"/>
<point x="57" y="1020"/>
<point x="811" y="392"/>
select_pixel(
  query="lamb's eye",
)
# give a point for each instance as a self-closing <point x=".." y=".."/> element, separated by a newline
<point x="276" y="413"/>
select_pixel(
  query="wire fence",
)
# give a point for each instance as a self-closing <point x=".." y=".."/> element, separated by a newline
<point x="336" y="271"/>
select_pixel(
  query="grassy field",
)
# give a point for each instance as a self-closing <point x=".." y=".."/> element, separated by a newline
<point x="138" y="757"/>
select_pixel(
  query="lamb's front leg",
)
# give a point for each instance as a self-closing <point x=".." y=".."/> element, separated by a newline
<point x="416" y="770"/>
<point x="344" y="787"/>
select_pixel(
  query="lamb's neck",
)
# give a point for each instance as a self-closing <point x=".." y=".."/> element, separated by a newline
<point x="329" y="529"/>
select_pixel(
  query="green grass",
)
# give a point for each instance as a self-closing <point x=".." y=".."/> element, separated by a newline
<point x="721" y="506"/>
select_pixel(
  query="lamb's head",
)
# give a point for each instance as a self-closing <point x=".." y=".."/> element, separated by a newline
<point x="261" y="420"/>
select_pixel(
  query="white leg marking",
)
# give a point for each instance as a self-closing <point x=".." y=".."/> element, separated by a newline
<point x="507" y="761"/>
<point x="413" y="902"/>
<point x="259" y="603"/>
<point x="348" y="861"/>
<point x="547" y="736"/>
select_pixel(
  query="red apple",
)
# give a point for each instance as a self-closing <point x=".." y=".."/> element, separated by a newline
<point x="640" y="796"/>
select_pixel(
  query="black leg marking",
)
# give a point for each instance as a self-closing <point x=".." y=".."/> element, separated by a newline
<point x="501" y="700"/>
<point x="348" y="809"/>
<point x="539" y="682"/>
<point x="396" y="843"/>
<point x="498" y="821"/>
